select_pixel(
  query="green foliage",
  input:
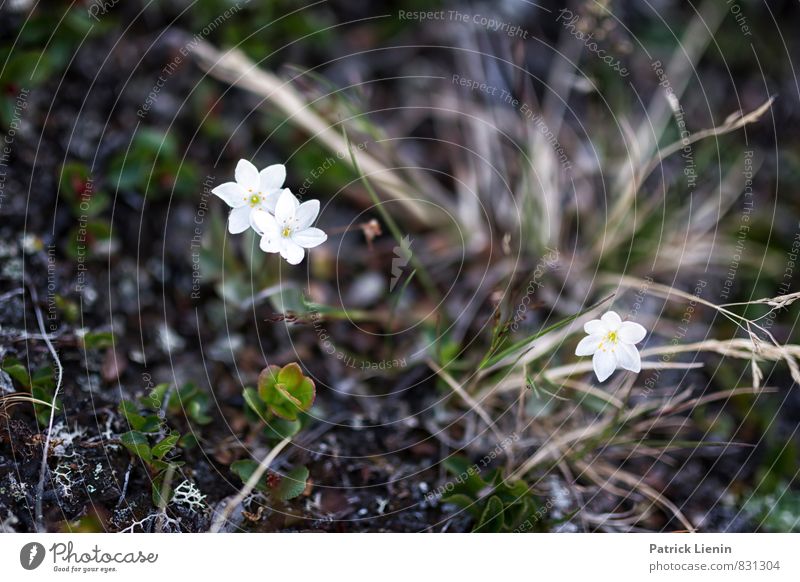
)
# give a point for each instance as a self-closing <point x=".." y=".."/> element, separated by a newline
<point x="78" y="191"/>
<point x="282" y="396"/>
<point x="494" y="504"/>
<point x="146" y="422"/>
<point x="14" y="368"/>
<point x="187" y="399"/>
<point x="39" y="52"/>
<point x="41" y="384"/>
<point x="97" y="340"/>
<point x="778" y="511"/>
<point x="154" y="454"/>
<point x="283" y="392"/>
<point x="149" y="423"/>
<point x="153" y="164"/>
<point x="283" y="488"/>
<point x="138" y="444"/>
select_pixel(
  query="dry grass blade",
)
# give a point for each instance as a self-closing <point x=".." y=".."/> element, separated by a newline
<point x="473" y="404"/>
<point x="618" y="226"/>
<point x="602" y="473"/>
<point x="235" y="68"/>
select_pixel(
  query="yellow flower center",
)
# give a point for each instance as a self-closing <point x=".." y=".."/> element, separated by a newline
<point x="611" y="338"/>
<point x="286" y="232"/>
<point x="254" y="199"/>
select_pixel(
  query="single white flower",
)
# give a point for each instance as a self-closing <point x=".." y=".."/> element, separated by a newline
<point x="290" y="230"/>
<point x="252" y="190"/>
<point x="611" y="343"/>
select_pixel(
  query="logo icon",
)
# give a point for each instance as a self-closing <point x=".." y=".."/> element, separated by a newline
<point x="31" y="555"/>
<point x="402" y="255"/>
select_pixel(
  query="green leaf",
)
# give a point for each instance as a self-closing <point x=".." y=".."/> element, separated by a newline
<point x="137" y="444"/>
<point x="131" y="413"/>
<point x="152" y="423"/>
<point x="155" y="400"/>
<point x="266" y="382"/>
<point x="156" y="491"/>
<point x="292" y="484"/>
<point x="466" y="474"/>
<point x="290" y="375"/>
<point x="164" y="446"/>
<point x="491" y="520"/>
<point x="279" y="428"/>
<point x="43" y="378"/>
<point x="42" y="411"/>
<point x="14" y="368"/>
<point x="286" y="390"/>
<point x="98" y="340"/>
<point x="197" y="411"/>
<point x="255" y="403"/>
<point x="245" y="469"/>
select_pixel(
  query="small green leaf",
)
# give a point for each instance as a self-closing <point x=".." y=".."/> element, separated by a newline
<point x="131" y="413"/>
<point x="43" y="378"/>
<point x="464" y="502"/>
<point x="292" y="484"/>
<point x="491" y="520"/>
<point x="255" y="403"/>
<point x="14" y="368"/>
<point x="97" y="340"/>
<point x="266" y="382"/>
<point x="245" y="469"/>
<point x="156" y="491"/>
<point x="197" y="411"/>
<point x="137" y="444"/>
<point x="286" y="391"/>
<point x="466" y="474"/>
<point x="290" y="374"/>
<point x="164" y="446"/>
<point x="155" y="400"/>
<point x="279" y="428"/>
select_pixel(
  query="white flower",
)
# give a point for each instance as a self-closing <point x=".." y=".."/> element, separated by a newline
<point x="290" y="230"/>
<point x="611" y="342"/>
<point x="252" y="190"/>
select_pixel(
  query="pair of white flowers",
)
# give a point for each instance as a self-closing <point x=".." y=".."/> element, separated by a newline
<point x="612" y="344"/>
<point x="259" y="201"/>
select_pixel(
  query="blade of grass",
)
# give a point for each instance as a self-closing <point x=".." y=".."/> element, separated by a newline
<point x="490" y="359"/>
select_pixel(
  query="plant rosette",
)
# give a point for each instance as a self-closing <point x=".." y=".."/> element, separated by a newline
<point x="284" y="392"/>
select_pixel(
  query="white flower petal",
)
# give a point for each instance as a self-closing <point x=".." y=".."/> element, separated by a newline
<point x="631" y="332"/>
<point x="272" y="178"/>
<point x="239" y="219"/>
<point x="247" y="176"/>
<point x="292" y="252"/>
<point x="306" y="214"/>
<point x="611" y="319"/>
<point x="309" y="238"/>
<point x="628" y="357"/>
<point x="264" y="223"/>
<point x="271" y="201"/>
<point x="231" y="193"/>
<point x="604" y="363"/>
<point x="271" y="244"/>
<point x="595" y="327"/>
<point x="286" y="206"/>
<point x="588" y="345"/>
